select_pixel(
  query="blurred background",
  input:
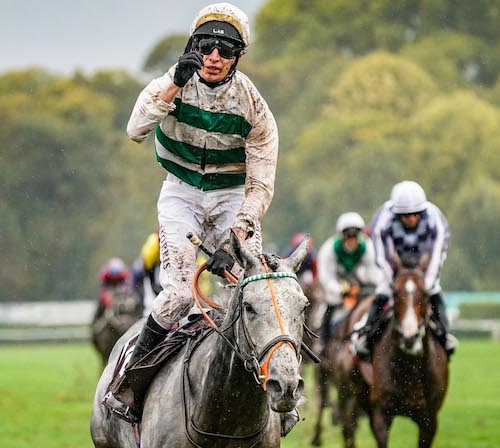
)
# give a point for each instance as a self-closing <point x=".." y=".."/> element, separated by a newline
<point x="366" y="93"/>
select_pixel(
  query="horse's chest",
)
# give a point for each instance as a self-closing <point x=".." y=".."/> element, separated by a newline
<point x="405" y="394"/>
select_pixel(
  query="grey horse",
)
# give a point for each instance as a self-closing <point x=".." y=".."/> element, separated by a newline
<point x="209" y="395"/>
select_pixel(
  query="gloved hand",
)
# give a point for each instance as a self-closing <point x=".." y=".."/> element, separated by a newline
<point x="221" y="260"/>
<point x="187" y="65"/>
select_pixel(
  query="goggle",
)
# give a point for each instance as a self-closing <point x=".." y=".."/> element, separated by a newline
<point x="407" y="215"/>
<point x="351" y="232"/>
<point x="227" y="50"/>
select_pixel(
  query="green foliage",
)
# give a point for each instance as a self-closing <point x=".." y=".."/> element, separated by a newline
<point x="165" y="54"/>
<point x="365" y="92"/>
<point x="384" y="84"/>
<point x="475" y="215"/>
<point x="453" y="59"/>
<point x="63" y="140"/>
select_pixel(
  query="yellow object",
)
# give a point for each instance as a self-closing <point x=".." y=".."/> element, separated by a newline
<point x="150" y="251"/>
<point x="205" y="280"/>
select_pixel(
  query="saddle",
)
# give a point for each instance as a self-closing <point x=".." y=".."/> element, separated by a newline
<point x="132" y="382"/>
<point x="382" y="321"/>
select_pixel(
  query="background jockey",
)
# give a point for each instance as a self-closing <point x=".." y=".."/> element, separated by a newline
<point x="146" y="271"/>
<point x="218" y="140"/>
<point x="411" y="226"/>
<point x="113" y="275"/>
<point x="344" y="260"/>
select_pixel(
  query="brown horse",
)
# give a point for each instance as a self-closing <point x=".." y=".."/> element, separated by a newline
<point x="124" y="311"/>
<point x="339" y="368"/>
<point x="312" y="290"/>
<point x="409" y="372"/>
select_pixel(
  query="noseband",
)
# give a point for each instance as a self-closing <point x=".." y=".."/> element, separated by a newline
<point x="422" y="326"/>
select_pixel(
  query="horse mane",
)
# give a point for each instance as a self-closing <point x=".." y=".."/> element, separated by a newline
<point x="272" y="261"/>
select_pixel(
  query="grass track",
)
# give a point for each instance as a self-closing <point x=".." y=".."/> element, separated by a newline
<point x="46" y="393"/>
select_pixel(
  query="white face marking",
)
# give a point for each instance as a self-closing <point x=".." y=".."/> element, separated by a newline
<point x="409" y="325"/>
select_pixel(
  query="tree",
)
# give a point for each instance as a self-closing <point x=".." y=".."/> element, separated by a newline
<point x="165" y="54"/>
<point x="475" y="246"/>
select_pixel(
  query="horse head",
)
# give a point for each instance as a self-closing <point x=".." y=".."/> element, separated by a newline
<point x="124" y="310"/>
<point x="271" y="308"/>
<point x="411" y="305"/>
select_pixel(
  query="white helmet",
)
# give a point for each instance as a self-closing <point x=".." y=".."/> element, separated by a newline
<point x="350" y="220"/>
<point x="223" y="12"/>
<point x="408" y="197"/>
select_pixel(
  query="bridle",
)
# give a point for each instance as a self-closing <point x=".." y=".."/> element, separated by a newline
<point x="422" y="325"/>
<point x="257" y="362"/>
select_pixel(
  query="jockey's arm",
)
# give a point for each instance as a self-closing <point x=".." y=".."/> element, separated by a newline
<point x="327" y="273"/>
<point x="261" y="152"/>
<point x="439" y="246"/>
<point x="383" y="247"/>
<point x="154" y="103"/>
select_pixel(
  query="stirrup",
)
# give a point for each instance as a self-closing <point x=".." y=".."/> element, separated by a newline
<point x="119" y="409"/>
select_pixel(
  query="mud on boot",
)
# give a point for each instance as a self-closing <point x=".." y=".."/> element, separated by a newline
<point x="120" y="399"/>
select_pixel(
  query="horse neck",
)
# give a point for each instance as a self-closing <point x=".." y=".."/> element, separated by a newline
<point x="233" y="402"/>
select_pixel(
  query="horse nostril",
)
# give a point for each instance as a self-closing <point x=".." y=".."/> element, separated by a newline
<point x="300" y="389"/>
<point x="274" y="387"/>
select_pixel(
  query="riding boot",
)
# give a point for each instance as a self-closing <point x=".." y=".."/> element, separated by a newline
<point x="440" y="318"/>
<point x="327" y="325"/>
<point x="362" y="346"/>
<point x="121" y="400"/>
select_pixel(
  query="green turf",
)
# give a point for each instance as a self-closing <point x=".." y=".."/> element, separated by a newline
<point x="46" y="394"/>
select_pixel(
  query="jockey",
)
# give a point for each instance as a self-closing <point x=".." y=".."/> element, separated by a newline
<point x="308" y="271"/>
<point x="218" y="141"/>
<point x="146" y="271"/>
<point x="113" y="275"/>
<point x="409" y="226"/>
<point x="347" y="258"/>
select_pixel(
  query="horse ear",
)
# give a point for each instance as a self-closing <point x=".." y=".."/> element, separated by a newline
<point x="242" y="255"/>
<point x="299" y="254"/>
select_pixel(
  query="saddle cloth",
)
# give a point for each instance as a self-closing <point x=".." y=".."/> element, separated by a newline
<point x="139" y="376"/>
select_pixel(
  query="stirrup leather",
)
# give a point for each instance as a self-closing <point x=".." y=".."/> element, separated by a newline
<point x="119" y="409"/>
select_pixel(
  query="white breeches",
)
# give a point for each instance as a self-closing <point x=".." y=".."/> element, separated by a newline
<point x="208" y="214"/>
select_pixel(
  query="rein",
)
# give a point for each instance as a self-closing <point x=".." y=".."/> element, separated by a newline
<point x="253" y="364"/>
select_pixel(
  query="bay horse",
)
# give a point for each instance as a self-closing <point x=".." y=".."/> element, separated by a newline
<point x="408" y="375"/>
<point x="125" y="310"/>
<point x="338" y="368"/>
<point x="215" y="392"/>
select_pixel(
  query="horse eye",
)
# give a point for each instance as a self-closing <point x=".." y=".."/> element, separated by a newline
<point x="249" y="308"/>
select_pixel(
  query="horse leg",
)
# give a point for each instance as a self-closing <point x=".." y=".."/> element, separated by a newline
<point x="348" y="416"/>
<point x="427" y="424"/>
<point x="380" y="423"/>
<point x="322" y="381"/>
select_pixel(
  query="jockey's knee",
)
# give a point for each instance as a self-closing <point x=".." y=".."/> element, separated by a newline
<point x="171" y="305"/>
